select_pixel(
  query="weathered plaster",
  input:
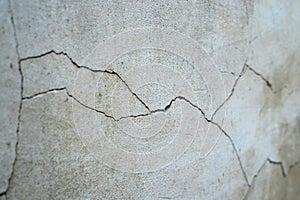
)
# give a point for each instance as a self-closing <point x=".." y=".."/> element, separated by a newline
<point x="201" y="98"/>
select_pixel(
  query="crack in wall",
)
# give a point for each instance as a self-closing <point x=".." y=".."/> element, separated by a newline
<point x="246" y="66"/>
<point x="227" y="72"/>
<point x="152" y="112"/>
<point x="20" y="60"/>
<point x="280" y="163"/>
<point x="21" y="95"/>
<point x="133" y="116"/>
<point x="164" y="110"/>
<point x="232" y="91"/>
<point x="149" y="111"/>
<point x="268" y="160"/>
<point x="87" y="68"/>
<point x="268" y="83"/>
<point x="42" y="93"/>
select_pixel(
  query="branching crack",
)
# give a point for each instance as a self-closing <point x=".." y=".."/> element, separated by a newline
<point x="232" y="91"/>
<point x="246" y="66"/>
<point x="269" y="85"/>
<point x="88" y="68"/>
<point x="149" y="112"/>
<point x="268" y="160"/>
<point x="168" y="106"/>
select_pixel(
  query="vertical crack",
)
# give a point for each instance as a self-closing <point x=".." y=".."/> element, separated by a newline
<point x="235" y="151"/>
<point x="21" y="94"/>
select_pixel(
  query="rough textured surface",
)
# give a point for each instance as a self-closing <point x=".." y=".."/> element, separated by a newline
<point x="275" y="185"/>
<point x="9" y="96"/>
<point x="150" y="100"/>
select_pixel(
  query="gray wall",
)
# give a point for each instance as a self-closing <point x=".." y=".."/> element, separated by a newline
<point x="150" y="99"/>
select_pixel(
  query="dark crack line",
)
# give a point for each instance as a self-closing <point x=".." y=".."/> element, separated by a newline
<point x="223" y="131"/>
<point x="284" y="173"/>
<point x="88" y="107"/>
<point x="20" y="60"/>
<point x="168" y="106"/>
<point x="43" y="93"/>
<point x="149" y="111"/>
<point x="226" y="72"/>
<point x="232" y="91"/>
<point x="21" y="96"/>
<point x="253" y="179"/>
<point x="69" y="95"/>
<point x="280" y="163"/>
<point x="157" y="110"/>
<point x="87" y="68"/>
<point x="235" y="151"/>
<point x="261" y="76"/>
<point x="268" y="160"/>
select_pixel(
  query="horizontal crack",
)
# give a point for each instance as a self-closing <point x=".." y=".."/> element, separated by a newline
<point x="167" y="107"/>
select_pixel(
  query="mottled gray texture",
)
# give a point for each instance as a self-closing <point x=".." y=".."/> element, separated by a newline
<point x="9" y="96"/>
<point x="149" y="100"/>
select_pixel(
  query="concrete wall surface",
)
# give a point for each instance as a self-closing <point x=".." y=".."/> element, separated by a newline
<point x="150" y="99"/>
